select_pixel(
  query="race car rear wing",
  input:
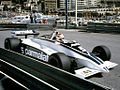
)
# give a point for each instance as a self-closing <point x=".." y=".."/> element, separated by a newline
<point x="24" y="33"/>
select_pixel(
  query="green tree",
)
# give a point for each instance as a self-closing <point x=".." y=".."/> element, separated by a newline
<point x="19" y="1"/>
<point x="15" y="1"/>
<point x="5" y="8"/>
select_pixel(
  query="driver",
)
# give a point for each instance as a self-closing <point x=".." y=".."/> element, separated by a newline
<point x="59" y="37"/>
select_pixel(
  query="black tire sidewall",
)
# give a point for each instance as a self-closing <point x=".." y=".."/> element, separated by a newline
<point x="12" y="44"/>
<point x="104" y="52"/>
<point x="60" y="60"/>
<point x="7" y="44"/>
<point x="55" y="61"/>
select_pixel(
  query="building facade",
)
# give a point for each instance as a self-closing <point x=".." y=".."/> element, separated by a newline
<point x="55" y="5"/>
<point x="59" y="5"/>
<point x="80" y="4"/>
<point x="50" y="5"/>
<point x="110" y="3"/>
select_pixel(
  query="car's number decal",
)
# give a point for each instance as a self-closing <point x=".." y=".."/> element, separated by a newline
<point x="87" y="72"/>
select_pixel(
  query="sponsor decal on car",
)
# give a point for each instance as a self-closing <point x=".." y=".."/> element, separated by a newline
<point x="38" y="55"/>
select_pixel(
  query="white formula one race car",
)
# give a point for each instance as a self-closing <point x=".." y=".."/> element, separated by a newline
<point x="61" y="53"/>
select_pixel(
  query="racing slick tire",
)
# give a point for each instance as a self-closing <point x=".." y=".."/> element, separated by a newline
<point x="12" y="44"/>
<point x="61" y="61"/>
<point x="102" y="52"/>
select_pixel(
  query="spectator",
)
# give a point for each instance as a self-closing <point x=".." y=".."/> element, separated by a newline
<point x="31" y="18"/>
<point x="35" y="17"/>
<point x="55" y="25"/>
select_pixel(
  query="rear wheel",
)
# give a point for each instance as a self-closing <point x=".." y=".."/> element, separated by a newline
<point x="60" y="60"/>
<point x="12" y="44"/>
<point x="102" y="52"/>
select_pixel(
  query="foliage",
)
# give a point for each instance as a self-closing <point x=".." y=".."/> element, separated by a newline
<point x="5" y="8"/>
<point x="18" y="1"/>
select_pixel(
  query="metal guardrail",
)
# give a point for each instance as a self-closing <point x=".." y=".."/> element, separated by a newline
<point x="103" y="27"/>
<point x="27" y="26"/>
<point x="40" y="26"/>
<point x="10" y="25"/>
<point x="40" y="76"/>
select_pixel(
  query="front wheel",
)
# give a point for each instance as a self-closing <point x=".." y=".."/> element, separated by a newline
<point x="102" y="52"/>
<point x="60" y="60"/>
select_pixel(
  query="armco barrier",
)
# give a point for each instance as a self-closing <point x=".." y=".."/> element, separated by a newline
<point x="103" y="27"/>
<point x="10" y="25"/>
<point x="40" y="76"/>
<point x="27" y="26"/>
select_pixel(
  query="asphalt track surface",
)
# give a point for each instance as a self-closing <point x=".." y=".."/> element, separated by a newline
<point x="89" y="41"/>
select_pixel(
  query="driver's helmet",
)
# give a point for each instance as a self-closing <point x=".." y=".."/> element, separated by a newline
<point x="59" y="37"/>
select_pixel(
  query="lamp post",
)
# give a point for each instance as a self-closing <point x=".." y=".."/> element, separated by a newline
<point x="56" y="4"/>
<point x="66" y="11"/>
<point x="76" y="12"/>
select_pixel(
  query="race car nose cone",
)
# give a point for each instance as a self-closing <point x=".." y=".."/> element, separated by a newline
<point x="105" y="69"/>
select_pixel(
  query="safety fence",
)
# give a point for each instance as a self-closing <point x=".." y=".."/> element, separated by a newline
<point x="103" y="27"/>
<point x="36" y="75"/>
